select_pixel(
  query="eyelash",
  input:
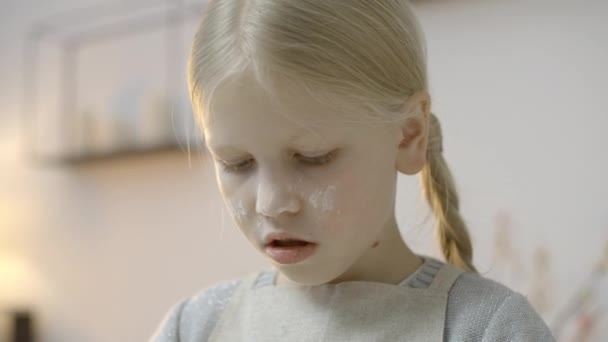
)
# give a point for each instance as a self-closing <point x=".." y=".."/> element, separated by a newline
<point x="311" y="161"/>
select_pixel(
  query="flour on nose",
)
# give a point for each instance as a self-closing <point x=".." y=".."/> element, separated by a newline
<point x="266" y="200"/>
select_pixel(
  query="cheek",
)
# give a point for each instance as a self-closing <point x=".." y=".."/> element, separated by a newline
<point x="357" y="201"/>
<point x="235" y="198"/>
<point x="237" y="209"/>
<point x="332" y="205"/>
<point x="323" y="200"/>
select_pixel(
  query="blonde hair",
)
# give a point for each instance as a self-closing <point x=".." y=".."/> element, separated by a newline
<point x="352" y="54"/>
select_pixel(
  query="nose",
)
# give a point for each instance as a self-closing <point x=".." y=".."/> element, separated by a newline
<point x="276" y="196"/>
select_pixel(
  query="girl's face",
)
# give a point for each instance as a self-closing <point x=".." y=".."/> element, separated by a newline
<point x="333" y="184"/>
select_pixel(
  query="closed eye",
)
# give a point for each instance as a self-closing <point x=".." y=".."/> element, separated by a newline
<point x="245" y="165"/>
<point x="237" y="167"/>
<point x="316" y="160"/>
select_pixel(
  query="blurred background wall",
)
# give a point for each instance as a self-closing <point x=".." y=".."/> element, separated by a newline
<point x="100" y="250"/>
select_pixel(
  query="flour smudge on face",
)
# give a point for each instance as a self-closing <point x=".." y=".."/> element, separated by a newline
<point x="237" y="209"/>
<point x="323" y="200"/>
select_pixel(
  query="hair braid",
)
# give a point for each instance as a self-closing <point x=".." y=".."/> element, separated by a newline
<point x="440" y="191"/>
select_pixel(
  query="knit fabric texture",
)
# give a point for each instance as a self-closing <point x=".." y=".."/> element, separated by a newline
<point x="479" y="309"/>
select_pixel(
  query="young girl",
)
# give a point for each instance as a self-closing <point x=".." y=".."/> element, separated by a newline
<point x="310" y="108"/>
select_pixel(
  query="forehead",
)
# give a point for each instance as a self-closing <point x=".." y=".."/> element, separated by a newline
<point x="242" y="110"/>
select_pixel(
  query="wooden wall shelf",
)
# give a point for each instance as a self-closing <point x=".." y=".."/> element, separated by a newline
<point x="109" y="77"/>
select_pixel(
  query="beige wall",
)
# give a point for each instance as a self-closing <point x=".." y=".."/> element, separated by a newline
<point x="102" y="251"/>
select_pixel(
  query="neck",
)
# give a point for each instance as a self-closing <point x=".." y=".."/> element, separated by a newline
<point x="388" y="261"/>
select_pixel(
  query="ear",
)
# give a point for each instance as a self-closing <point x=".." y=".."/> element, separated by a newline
<point x="412" y="148"/>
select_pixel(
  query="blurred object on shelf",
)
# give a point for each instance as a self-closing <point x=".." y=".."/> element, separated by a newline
<point x="108" y="81"/>
<point x="155" y="125"/>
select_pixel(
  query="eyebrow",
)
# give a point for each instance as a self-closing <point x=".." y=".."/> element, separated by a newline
<point x="227" y="152"/>
<point x="223" y="148"/>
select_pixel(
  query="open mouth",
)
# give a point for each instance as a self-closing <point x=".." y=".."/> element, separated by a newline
<point x="288" y="243"/>
<point x="290" y="251"/>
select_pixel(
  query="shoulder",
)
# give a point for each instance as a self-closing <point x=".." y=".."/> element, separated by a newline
<point x="193" y="318"/>
<point x="480" y="309"/>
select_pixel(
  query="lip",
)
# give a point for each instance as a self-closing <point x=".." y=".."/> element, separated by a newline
<point x="288" y="255"/>
<point x="283" y="236"/>
<point x="291" y="255"/>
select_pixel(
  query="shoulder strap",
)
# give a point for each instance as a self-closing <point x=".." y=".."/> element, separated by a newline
<point x="232" y="305"/>
<point x="446" y="277"/>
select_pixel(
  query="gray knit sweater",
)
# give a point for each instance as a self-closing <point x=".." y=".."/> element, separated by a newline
<point x="478" y="309"/>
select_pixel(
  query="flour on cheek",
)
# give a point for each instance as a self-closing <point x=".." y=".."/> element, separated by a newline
<point x="237" y="210"/>
<point x="323" y="200"/>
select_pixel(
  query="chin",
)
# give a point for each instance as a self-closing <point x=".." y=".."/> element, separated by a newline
<point x="306" y="276"/>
